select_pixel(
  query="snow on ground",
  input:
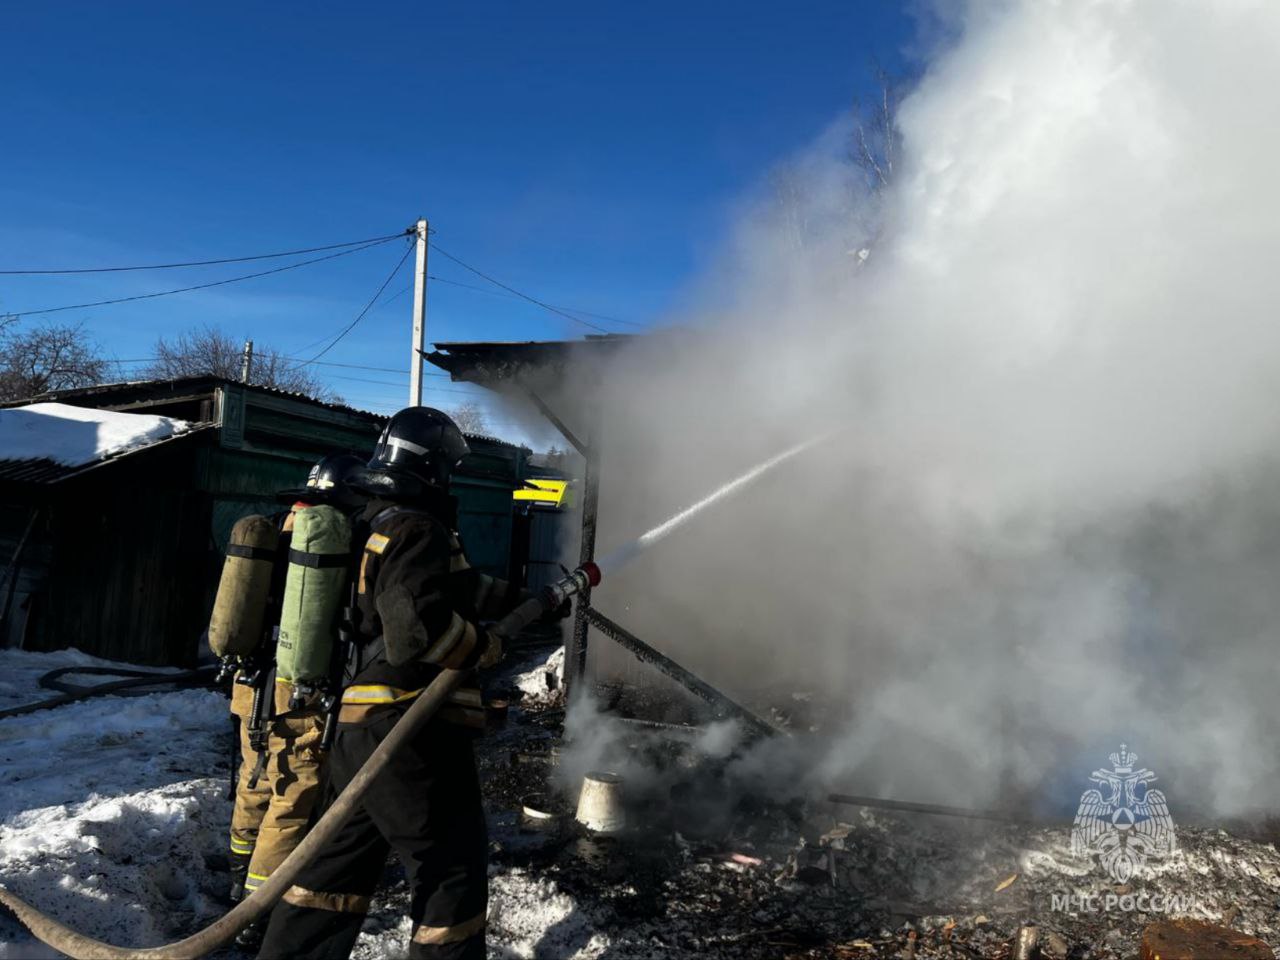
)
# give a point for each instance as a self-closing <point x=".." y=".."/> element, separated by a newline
<point x="109" y="806"/>
<point x="114" y="818"/>
<point x="539" y="920"/>
<point x="76" y="435"/>
<point x="530" y="918"/>
<point x="20" y="672"/>
<point x="533" y="681"/>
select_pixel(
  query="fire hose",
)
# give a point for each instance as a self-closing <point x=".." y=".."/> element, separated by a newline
<point x="257" y="904"/>
<point x="135" y="683"/>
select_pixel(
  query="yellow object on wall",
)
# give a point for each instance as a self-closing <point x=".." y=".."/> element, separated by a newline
<point x="551" y="492"/>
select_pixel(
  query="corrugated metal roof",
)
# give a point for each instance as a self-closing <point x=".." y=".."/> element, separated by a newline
<point x="42" y="470"/>
<point x="187" y="384"/>
<point x="495" y="440"/>
<point x="35" y="471"/>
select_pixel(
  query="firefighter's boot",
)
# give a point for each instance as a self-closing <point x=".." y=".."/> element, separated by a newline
<point x="250" y="938"/>
<point x="239" y="872"/>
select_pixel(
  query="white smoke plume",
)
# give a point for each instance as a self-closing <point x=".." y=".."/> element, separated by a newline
<point x="1051" y="520"/>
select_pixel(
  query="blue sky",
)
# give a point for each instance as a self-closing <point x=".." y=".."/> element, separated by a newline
<point x="591" y="154"/>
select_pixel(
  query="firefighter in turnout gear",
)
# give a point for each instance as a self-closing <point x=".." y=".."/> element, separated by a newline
<point x="418" y="607"/>
<point x="281" y="760"/>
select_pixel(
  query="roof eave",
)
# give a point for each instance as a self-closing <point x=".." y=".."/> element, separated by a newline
<point x="49" y="472"/>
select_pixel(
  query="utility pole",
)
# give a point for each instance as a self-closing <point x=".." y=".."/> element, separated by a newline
<point x="419" y="316"/>
<point x="246" y="361"/>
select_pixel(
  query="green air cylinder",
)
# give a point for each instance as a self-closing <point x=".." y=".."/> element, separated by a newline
<point x="314" y="590"/>
<point x="240" y="608"/>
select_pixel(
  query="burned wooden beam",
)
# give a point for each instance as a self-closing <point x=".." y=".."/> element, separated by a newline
<point x="936" y="809"/>
<point x="1182" y="938"/>
<point x="657" y="726"/>
<point x="575" y="651"/>
<point x="559" y="424"/>
<point x="723" y="706"/>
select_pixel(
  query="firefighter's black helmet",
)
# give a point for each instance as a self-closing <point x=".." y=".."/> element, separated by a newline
<point x="333" y="480"/>
<point x="421" y="442"/>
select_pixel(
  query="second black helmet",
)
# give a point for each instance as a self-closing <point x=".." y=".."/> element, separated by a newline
<point x="334" y="479"/>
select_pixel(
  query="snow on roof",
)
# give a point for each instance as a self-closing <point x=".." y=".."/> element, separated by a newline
<point x="74" y="436"/>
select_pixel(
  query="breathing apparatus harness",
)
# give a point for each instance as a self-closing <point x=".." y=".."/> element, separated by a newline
<point x="242" y="631"/>
<point x="259" y="674"/>
<point x="345" y="662"/>
<point x="359" y="651"/>
<point x="259" y="582"/>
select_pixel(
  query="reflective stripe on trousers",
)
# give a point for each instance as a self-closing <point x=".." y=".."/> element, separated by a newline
<point x="253" y="881"/>
<point x="333" y="902"/>
<point x="425" y="807"/>
<point x="459" y="931"/>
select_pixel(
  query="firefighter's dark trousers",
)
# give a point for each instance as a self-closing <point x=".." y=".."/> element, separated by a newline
<point x="426" y="807"/>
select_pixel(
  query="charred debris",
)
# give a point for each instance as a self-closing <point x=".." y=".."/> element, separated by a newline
<point x="706" y="867"/>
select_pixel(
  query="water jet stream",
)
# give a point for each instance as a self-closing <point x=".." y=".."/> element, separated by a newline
<point x="621" y="556"/>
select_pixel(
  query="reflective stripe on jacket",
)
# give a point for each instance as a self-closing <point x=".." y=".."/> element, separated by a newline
<point x="360" y="701"/>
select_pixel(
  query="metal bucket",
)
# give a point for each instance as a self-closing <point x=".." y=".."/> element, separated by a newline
<point x="600" y="803"/>
<point x="539" y="811"/>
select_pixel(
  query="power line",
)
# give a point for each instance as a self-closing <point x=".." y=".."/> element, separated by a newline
<point x="202" y="286"/>
<point x="318" y="363"/>
<point x="464" y="393"/>
<point x="204" y="263"/>
<point x="383" y="303"/>
<point x="470" y="389"/>
<point x="522" y="296"/>
<point x="496" y="293"/>
<point x="387" y="383"/>
<point x="360" y="316"/>
<point x="393" y="405"/>
<point x="359" y="366"/>
<point x="392" y="383"/>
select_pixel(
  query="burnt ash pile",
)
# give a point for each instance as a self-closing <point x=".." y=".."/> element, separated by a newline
<point x="700" y="872"/>
<point x="980" y="882"/>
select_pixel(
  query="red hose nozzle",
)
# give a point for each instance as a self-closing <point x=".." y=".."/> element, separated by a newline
<point x="592" y="572"/>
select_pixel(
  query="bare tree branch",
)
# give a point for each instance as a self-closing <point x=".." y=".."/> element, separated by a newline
<point x="470" y="418"/>
<point x="210" y="352"/>
<point x="835" y="209"/>
<point x="867" y="159"/>
<point x="876" y="139"/>
<point x="47" y="358"/>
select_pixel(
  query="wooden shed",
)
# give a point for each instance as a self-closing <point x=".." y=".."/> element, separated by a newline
<point x="120" y="555"/>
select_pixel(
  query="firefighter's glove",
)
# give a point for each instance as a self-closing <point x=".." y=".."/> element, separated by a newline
<point x="495" y="647"/>
<point x="562" y="612"/>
